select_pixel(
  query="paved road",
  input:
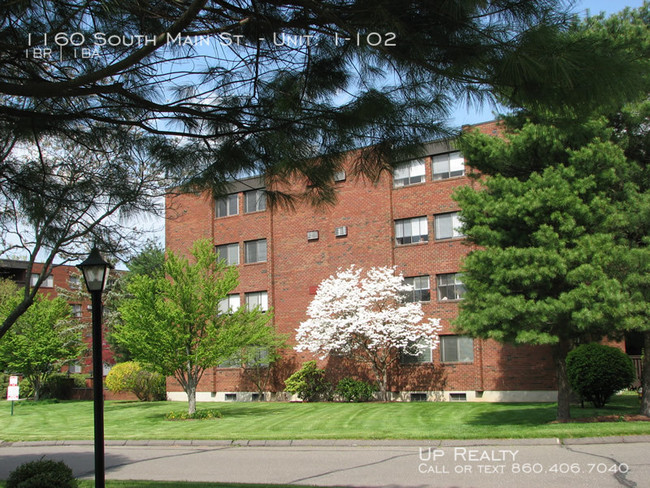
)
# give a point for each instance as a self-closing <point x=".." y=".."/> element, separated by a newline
<point x="593" y="463"/>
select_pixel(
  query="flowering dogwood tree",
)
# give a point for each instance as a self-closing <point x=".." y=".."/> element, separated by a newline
<point x="366" y="318"/>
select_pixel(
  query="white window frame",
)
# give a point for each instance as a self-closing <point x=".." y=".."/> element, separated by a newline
<point x="231" y="258"/>
<point x="255" y="299"/>
<point x="255" y="251"/>
<point x="254" y="201"/>
<point x="453" y="291"/>
<point x="418" y="293"/>
<point x="448" y="165"/>
<point x="230" y="304"/>
<point x="227" y="206"/>
<point x="409" y="173"/>
<point x="74" y="282"/>
<point x="48" y="282"/>
<point x="442" y="223"/>
<point x="456" y="349"/>
<point x="410" y="231"/>
<point x="77" y="310"/>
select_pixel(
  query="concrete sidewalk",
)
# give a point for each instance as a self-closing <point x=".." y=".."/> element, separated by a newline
<point x="542" y="441"/>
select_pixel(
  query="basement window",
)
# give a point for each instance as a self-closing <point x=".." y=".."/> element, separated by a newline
<point x="458" y="397"/>
<point x="231" y="397"/>
<point x="418" y="397"/>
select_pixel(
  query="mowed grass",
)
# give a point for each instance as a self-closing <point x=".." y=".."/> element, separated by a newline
<point x="418" y="420"/>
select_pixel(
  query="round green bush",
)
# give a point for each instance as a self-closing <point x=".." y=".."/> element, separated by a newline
<point x="352" y="390"/>
<point x="130" y="376"/>
<point x="309" y="383"/>
<point x="597" y="371"/>
<point x="42" y="474"/>
<point x="121" y="377"/>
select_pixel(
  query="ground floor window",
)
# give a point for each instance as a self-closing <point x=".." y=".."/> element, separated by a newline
<point x="456" y="349"/>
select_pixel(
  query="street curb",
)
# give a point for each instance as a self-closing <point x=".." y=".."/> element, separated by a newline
<point x="544" y="441"/>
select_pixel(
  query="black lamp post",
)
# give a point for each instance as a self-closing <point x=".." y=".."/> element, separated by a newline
<point x="95" y="271"/>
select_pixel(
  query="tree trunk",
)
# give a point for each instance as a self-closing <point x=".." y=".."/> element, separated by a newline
<point x="563" y="389"/>
<point x="191" y="397"/>
<point x="384" y="385"/>
<point x="645" y="378"/>
<point x="36" y="385"/>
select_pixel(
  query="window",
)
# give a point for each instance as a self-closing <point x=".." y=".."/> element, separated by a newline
<point x="408" y="231"/>
<point x="76" y="310"/>
<point x="421" y="291"/>
<point x="74" y="282"/>
<point x="74" y="368"/>
<point x="456" y="349"/>
<point x="257" y="299"/>
<point x="227" y="205"/>
<point x="47" y="282"/>
<point x="448" y="226"/>
<point x="257" y="357"/>
<point x="424" y="356"/>
<point x="448" y="165"/>
<point x="229" y="253"/>
<point x="229" y="304"/>
<point x="450" y="286"/>
<point x="254" y="201"/>
<point x="232" y="362"/>
<point x="255" y="251"/>
<point x="409" y="173"/>
<point x="106" y="368"/>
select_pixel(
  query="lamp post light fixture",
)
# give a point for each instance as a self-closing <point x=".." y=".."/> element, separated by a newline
<point x="95" y="271"/>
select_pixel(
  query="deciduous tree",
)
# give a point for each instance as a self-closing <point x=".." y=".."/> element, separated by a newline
<point x="43" y="339"/>
<point x="366" y="318"/>
<point x="172" y="323"/>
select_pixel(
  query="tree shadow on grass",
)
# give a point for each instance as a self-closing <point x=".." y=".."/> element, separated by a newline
<point x="513" y="415"/>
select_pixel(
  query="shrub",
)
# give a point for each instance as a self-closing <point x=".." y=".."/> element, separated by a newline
<point x="149" y="386"/>
<point x="209" y="413"/>
<point x="309" y="383"/>
<point x="597" y="371"/>
<point x="42" y="474"/>
<point x="352" y="390"/>
<point x="60" y="386"/>
<point x="4" y="383"/>
<point x="130" y="376"/>
<point x="121" y="377"/>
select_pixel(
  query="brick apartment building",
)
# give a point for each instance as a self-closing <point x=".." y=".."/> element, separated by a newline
<point x="62" y="277"/>
<point x="407" y="220"/>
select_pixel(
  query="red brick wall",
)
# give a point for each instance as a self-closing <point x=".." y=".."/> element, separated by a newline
<point x="295" y="266"/>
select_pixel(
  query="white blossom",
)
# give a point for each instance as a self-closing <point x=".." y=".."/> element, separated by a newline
<point x="366" y="318"/>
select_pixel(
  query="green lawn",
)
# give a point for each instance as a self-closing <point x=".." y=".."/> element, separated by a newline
<point x="418" y="420"/>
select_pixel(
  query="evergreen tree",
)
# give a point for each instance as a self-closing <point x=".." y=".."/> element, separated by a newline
<point x="203" y="91"/>
<point x="561" y="218"/>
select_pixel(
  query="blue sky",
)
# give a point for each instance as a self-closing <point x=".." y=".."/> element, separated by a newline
<point x="608" y="6"/>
